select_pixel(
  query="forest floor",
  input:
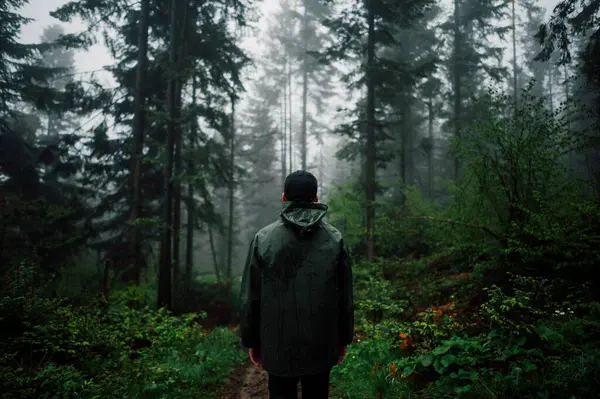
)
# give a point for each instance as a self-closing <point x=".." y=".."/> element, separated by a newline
<point x="251" y="382"/>
<point x="246" y="382"/>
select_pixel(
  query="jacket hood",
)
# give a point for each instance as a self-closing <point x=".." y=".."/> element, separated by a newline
<point x="303" y="215"/>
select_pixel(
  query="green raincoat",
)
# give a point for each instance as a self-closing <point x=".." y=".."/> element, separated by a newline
<point x="296" y="295"/>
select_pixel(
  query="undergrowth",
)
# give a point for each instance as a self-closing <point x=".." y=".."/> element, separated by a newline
<point x="492" y="295"/>
<point x="52" y="347"/>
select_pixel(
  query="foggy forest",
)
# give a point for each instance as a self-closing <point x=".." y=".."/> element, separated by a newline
<point x="455" y="143"/>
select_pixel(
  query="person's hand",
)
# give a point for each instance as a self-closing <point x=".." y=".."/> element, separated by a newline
<point x="254" y="354"/>
<point x="342" y="355"/>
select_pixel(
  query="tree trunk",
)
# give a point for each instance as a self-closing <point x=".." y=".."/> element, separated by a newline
<point x="550" y="90"/>
<point x="191" y="204"/>
<point x="179" y="86"/>
<point x="290" y="140"/>
<point x="164" y="272"/>
<point x="514" y="40"/>
<point x="430" y="149"/>
<point x="371" y="149"/>
<point x="570" y="155"/>
<point x="408" y="147"/>
<point x="398" y="197"/>
<point x="213" y="251"/>
<point x="303" y="133"/>
<point x="231" y="193"/>
<point x="177" y="193"/>
<point x="321" y="173"/>
<point x="284" y="125"/>
<point x="457" y="82"/>
<point x="135" y="254"/>
<point x="566" y="72"/>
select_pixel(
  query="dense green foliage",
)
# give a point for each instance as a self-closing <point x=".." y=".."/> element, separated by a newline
<point x="86" y="347"/>
<point x="483" y="286"/>
<point x="494" y="295"/>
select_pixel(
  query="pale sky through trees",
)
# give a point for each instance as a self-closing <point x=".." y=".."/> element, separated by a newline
<point x="98" y="57"/>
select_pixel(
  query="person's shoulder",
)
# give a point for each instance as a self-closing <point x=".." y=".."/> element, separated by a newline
<point x="268" y="229"/>
<point x="332" y="230"/>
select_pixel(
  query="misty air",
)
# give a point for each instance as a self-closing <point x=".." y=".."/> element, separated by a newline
<point x="343" y="199"/>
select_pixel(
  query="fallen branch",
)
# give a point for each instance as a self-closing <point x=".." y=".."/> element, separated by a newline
<point x="454" y="222"/>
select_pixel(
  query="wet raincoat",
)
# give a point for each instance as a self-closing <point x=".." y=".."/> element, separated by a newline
<point x="296" y="295"/>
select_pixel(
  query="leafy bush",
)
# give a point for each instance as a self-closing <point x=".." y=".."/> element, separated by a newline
<point x="51" y="348"/>
<point x="495" y="293"/>
<point x="345" y="212"/>
<point x="365" y="373"/>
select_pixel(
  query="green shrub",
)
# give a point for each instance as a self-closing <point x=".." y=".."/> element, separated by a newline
<point x="121" y="349"/>
<point x="365" y="373"/>
<point x="492" y="294"/>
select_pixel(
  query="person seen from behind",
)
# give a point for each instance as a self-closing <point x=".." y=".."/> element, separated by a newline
<point x="297" y="307"/>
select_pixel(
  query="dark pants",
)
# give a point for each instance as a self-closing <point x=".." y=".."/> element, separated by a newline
<point x="315" y="386"/>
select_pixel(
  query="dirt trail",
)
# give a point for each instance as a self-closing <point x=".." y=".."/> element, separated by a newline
<point x="251" y="382"/>
<point x="246" y="382"/>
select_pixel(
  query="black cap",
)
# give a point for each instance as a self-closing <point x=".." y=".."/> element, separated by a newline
<point x="300" y="186"/>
